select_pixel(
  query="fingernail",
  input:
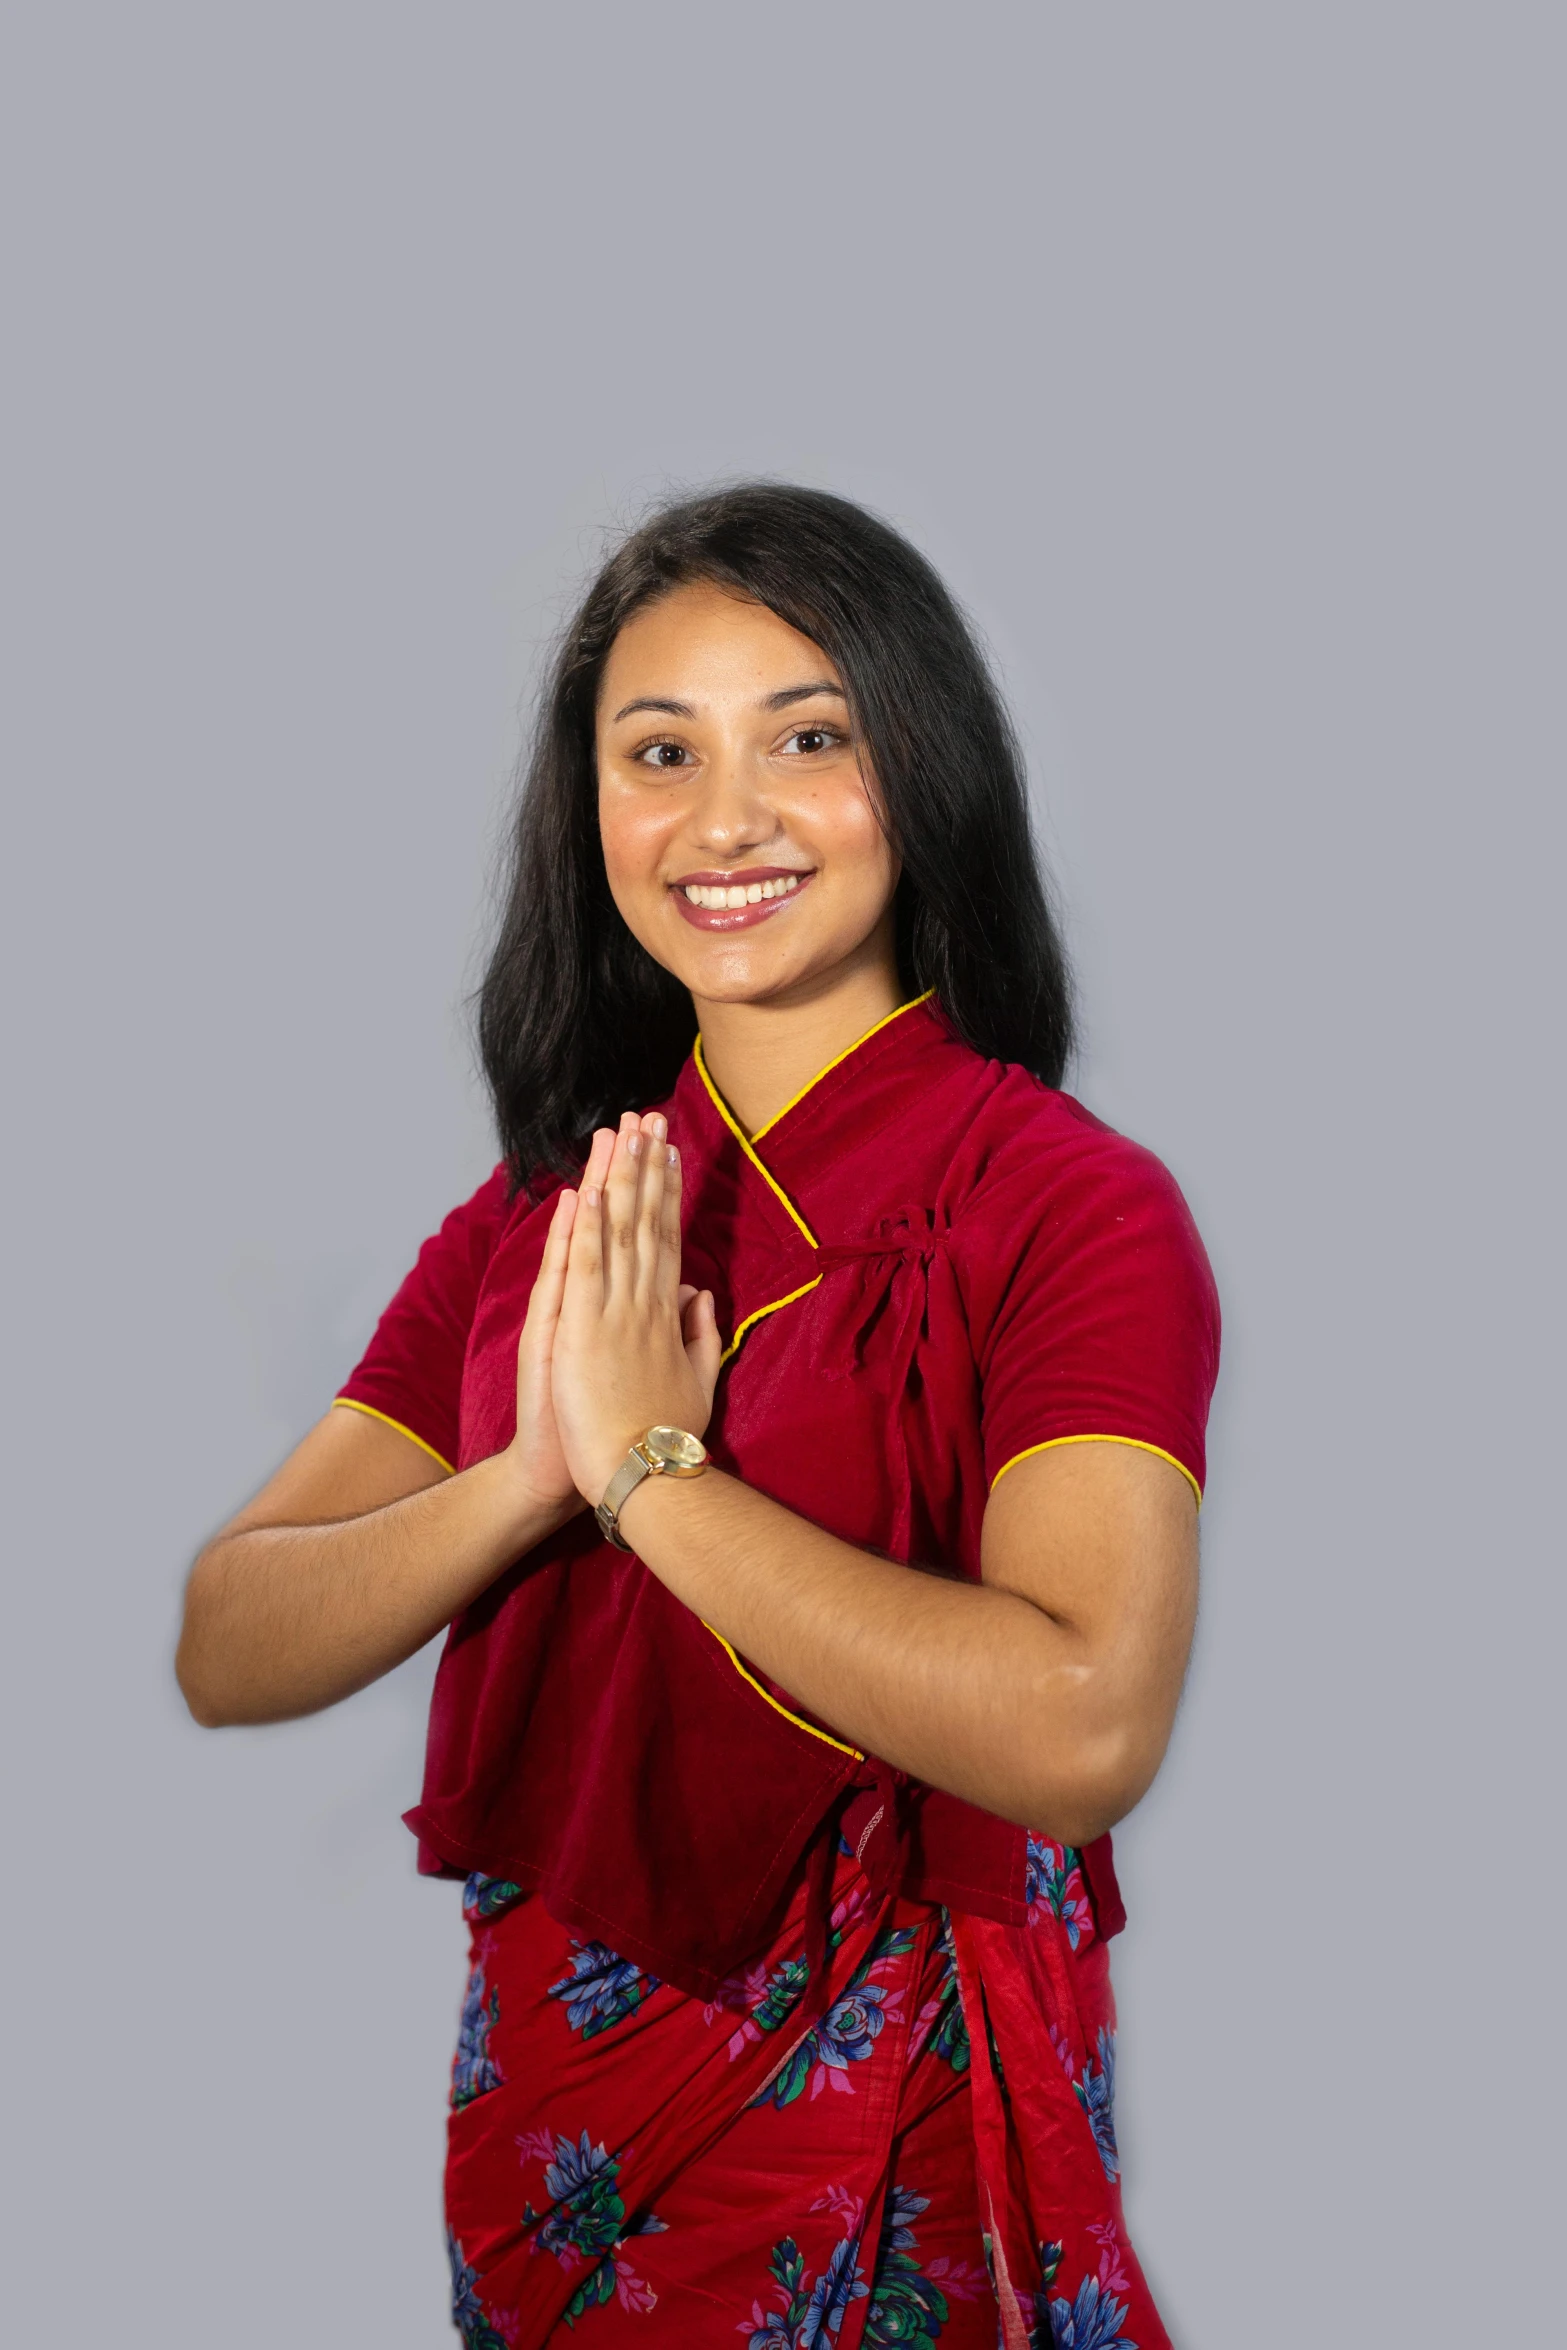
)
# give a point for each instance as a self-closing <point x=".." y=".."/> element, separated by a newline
<point x="659" y="1127"/>
<point x="674" y="1156"/>
<point x="634" y="1146"/>
<point x="590" y="1198"/>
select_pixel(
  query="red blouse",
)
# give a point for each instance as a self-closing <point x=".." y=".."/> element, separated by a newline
<point x="931" y="1265"/>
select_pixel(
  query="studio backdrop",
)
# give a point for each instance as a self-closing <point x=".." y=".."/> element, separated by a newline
<point x="1213" y="356"/>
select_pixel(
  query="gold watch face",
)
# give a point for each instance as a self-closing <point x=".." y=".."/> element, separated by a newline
<point x="676" y="1448"/>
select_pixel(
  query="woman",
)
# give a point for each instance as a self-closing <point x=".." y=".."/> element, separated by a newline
<point x="801" y="1432"/>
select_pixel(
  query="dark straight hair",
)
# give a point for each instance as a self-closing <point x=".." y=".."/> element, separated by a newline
<point x="577" y="1022"/>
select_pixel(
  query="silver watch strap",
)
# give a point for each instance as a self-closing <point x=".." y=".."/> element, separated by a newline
<point x="624" y="1483"/>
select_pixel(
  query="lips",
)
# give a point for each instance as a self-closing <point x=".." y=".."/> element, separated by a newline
<point x="785" y="882"/>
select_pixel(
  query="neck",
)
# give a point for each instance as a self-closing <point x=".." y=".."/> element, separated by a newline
<point x="760" y="1055"/>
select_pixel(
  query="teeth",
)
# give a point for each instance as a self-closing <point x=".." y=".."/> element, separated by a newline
<point x="735" y="893"/>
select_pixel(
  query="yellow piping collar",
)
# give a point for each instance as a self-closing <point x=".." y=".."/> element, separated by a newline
<point x="744" y="1140"/>
<point x="795" y="1099"/>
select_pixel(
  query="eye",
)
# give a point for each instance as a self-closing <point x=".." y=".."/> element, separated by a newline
<point x="663" y="756"/>
<point x="808" y="742"/>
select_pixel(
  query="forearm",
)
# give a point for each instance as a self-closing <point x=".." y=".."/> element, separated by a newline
<point x="971" y="1688"/>
<point x="283" y="1620"/>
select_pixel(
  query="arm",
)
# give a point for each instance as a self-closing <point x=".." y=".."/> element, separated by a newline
<point x="363" y="1546"/>
<point x="1045" y="1693"/>
<point x="347" y="1561"/>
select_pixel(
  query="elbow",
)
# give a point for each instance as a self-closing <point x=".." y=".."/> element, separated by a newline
<point x="200" y="1688"/>
<point x="203" y="1702"/>
<point x="1092" y="1790"/>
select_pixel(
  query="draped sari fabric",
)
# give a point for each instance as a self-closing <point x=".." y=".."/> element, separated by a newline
<point x="929" y="1266"/>
<point x="803" y="2160"/>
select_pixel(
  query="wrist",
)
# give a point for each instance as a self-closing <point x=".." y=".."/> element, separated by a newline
<point x="635" y="1511"/>
<point x="531" y="1511"/>
<point x="601" y="1467"/>
<point x="661" y="1452"/>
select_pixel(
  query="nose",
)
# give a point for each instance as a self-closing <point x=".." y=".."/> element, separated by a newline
<point x="731" y="814"/>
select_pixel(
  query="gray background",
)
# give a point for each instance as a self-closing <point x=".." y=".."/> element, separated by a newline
<point x="1215" y="353"/>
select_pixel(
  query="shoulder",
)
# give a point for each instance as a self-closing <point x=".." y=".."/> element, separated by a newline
<point x="1045" y="1195"/>
<point x="1029" y="1149"/>
<point x="1089" y="1299"/>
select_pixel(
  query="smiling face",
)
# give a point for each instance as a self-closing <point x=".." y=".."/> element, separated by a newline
<point x="740" y="832"/>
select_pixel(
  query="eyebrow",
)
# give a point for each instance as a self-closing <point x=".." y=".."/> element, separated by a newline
<point x="779" y="701"/>
<point x="803" y="693"/>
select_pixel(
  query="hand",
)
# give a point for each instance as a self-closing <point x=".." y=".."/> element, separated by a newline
<point x="535" y="1450"/>
<point x="633" y="1349"/>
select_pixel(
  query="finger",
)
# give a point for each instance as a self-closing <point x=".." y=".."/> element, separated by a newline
<point x="686" y="1293"/>
<point x="667" y="1285"/>
<point x="599" y="1155"/>
<point x="620" y="1204"/>
<point x="544" y="1302"/>
<point x="650" y="1210"/>
<point x="585" y="1247"/>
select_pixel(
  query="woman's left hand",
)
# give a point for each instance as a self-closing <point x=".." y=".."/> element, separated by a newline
<point x="633" y="1348"/>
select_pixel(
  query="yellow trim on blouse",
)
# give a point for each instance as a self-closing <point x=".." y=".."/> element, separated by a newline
<point x="885" y="1022"/>
<point x="351" y="1403"/>
<point x="1135" y="1442"/>
<point x="744" y="1140"/>
<point x="760" y="1315"/>
<point x="825" y="1736"/>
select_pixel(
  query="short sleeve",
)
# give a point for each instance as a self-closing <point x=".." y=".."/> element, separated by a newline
<point x="411" y="1372"/>
<point x="1091" y="1300"/>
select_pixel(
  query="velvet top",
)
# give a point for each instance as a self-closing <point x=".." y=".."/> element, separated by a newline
<point x="930" y="1266"/>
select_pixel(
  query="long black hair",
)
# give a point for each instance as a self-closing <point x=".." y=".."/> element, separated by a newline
<point x="577" y="1022"/>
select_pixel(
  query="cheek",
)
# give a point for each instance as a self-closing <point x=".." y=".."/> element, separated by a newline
<point x="632" y="835"/>
<point x="854" y="841"/>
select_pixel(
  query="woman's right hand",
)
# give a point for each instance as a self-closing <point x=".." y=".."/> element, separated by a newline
<point x="535" y="1450"/>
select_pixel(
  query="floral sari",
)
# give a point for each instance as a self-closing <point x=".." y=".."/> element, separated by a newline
<point x="807" y="2172"/>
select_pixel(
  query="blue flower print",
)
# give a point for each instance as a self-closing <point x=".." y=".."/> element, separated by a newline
<point x="813" y="2313"/>
<point x="602" y="1988"/>
<point x="1091" y="2322"/>
<point x="907" y="2309"/>
<point x="615" y="2277"/>
<point x="1094" y="2318"/>
<point x="1053" y="1887"/>
<point x="1096" y="2095"/>
<point x="589" y="2222"/>
<point x="474" y="2070"/>
<point x="469" y="2315"/>
<point x="588" y="2215"/>
<point x="485" y="1897"/>
<point x="949" y="2029"/>
<point x="847" y="2034"/>
<point x="781" y="1995"/>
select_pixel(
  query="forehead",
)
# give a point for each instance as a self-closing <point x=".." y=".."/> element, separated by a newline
<point x="703" y="645"/>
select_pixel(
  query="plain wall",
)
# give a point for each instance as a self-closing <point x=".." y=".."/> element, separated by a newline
<point x="1215" y="354"/>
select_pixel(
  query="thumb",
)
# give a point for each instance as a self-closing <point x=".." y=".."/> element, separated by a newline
<point x="704" y="1347"/>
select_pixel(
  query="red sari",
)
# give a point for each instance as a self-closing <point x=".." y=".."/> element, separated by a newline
<point x="761" y="2036"/>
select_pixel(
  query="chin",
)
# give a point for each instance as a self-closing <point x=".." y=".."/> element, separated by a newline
<point x="731" y="972"/>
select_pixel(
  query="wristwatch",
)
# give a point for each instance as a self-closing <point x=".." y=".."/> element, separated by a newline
<point x="662" y="1452"/>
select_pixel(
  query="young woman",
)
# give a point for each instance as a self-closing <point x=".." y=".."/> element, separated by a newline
<point x="801" y="1433"/>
